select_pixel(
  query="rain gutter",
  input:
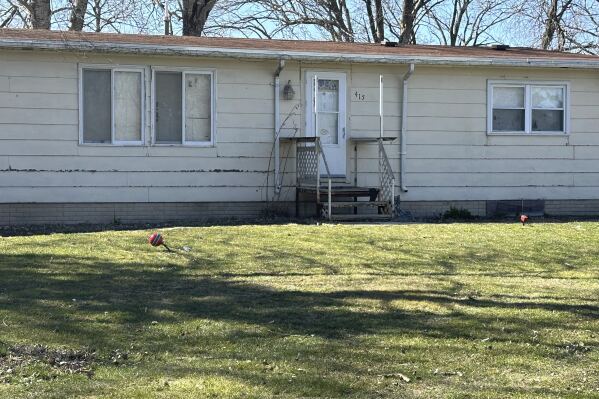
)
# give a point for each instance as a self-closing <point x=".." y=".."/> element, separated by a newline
<point x="191" y="51"/>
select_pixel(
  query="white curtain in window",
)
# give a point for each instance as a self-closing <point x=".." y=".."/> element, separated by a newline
<point x="127" y="106"/>
<point x="547" y="97"/>
<point x="198" y="107"/>
<point x="508" y="97"/>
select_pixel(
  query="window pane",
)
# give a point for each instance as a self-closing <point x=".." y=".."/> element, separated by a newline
<point x="328" y="130"/>
<point x="198" y="109"/>
<point x="96" y="106"/>
<point x="127" y="106"/>
<point x="168" y="107"/>
<point x="328" y="95"/>
<point x="547" y="121"/>
<point x="508" y="120"/>
<point x="547" y="97"/>
<point x="508" y="97"/>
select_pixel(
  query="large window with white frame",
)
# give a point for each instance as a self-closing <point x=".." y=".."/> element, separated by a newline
<point x="527" y="108"/>
<point x="111" y="105"/>
<point x="183" y="107"/>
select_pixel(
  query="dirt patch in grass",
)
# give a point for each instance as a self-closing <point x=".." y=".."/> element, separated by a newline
<point x="38" y="362"/>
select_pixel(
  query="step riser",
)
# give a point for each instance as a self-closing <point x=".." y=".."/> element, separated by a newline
<point x="345" y="205"/>
<point x="347" y="195"/>
<point x="343" y="192"/>
<point x="360" y="204"/>
<point x="359" y="218"/>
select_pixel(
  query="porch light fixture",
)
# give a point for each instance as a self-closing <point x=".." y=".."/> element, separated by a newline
<point x="288" y="92"/>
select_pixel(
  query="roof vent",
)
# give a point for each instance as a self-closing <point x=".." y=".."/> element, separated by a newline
<point x="500" y="47"/>
<point x="391" y="44"/>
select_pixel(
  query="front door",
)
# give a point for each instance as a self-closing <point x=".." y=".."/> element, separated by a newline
<point x="326" y="117"/>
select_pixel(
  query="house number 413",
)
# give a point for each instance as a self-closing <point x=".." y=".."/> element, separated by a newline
<point x="359" y="96"/>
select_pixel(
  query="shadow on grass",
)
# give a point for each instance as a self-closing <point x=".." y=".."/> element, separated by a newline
<point x="105" y="305"/>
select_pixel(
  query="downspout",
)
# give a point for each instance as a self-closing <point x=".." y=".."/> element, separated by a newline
<point x="277" y="130"/>
<point x="404" y="128"/>
<point x="381" y="108"/>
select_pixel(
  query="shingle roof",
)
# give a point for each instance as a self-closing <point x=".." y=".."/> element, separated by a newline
<point x="262" y="48"/>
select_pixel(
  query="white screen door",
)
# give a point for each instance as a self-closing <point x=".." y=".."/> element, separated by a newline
<point x="326" y="117"/>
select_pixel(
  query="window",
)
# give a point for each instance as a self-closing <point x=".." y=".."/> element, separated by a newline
<point x="509" y="109"/>
<point x="547" y="109"/>
<point x="184" y="107"/>
<point x="111" y="106"/>
<point x="527" y="108"/>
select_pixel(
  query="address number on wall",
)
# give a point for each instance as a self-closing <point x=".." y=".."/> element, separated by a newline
<point x="359" y="96"/>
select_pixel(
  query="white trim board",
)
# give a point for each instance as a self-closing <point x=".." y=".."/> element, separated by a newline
<point x="147" y="49"/>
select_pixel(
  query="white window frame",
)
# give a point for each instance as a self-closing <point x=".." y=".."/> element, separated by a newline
<point x="528" y="85"/>
<point x="213" y="113"/>
<point x="113" y="69"/>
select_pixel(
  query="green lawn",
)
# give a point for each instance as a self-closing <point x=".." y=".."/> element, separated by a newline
<point x="406" y="311"/>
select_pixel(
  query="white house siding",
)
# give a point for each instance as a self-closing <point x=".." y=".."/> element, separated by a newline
<point x="365" y="119"/>
<point x="450" y="157"/>
<point x="41" y="159"/>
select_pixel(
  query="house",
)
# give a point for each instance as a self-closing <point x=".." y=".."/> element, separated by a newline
<point x="105" y="127"/>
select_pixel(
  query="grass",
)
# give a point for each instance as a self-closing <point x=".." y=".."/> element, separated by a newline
<point x="407" y="311"/>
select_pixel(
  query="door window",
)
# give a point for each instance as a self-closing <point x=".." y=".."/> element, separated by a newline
<point x="328" y="111"/>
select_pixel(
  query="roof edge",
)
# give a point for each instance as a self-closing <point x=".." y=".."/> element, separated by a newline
<point x="148" y="49"/>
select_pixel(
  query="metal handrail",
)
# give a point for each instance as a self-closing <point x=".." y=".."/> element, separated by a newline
<point x="386" y="178"/>
<point x="329" y="180"/>
<point x="324" y="158"/>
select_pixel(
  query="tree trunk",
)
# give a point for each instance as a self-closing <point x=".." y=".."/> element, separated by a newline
<point x="550" y="26"/>
<point x="376" y="20"/>
<point x="380" y="20"/>
<point x="40" y="14"/>
<point x="371" y="20"/>
<point x="407" y="22"/>
<point x="78" y="15"/>
<point x="195" y="15"/>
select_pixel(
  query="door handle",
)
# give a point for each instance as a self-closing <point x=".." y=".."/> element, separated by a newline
<point x="344" y="133"/>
